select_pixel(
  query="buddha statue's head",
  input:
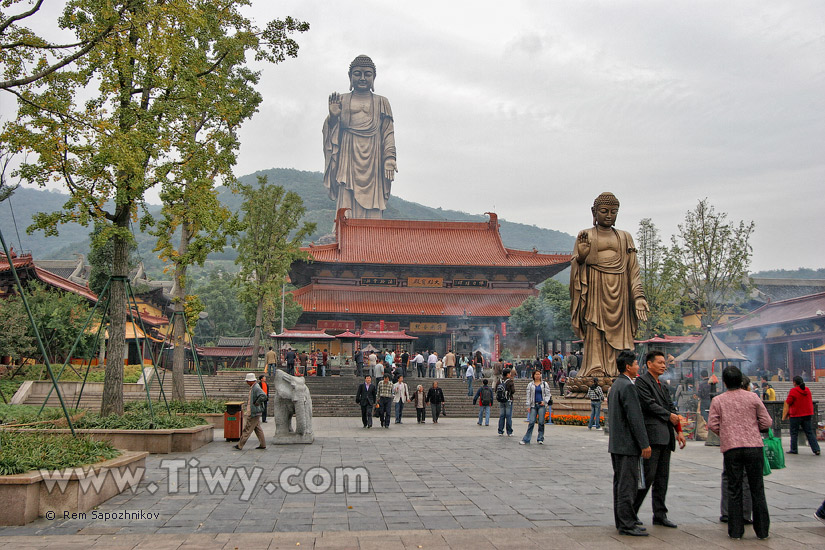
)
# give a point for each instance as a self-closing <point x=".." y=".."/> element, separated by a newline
<point x="362" y="74"/>
<point x="605" y="209"/>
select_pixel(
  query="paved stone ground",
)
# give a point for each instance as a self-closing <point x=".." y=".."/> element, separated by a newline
<point x="451" y="485"/>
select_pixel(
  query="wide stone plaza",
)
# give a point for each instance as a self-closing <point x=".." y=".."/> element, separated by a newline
<point x="451" y="485"/>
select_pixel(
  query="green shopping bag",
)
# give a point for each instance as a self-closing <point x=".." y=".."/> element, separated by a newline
<point x="766" y="465"/>
<point x="773" y="451"/>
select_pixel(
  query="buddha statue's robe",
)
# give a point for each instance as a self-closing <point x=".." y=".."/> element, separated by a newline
<point x="356" y="144"/>
<point x="603" y="293"/>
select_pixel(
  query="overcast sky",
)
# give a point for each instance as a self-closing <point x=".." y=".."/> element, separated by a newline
<point x="532" y="108"/>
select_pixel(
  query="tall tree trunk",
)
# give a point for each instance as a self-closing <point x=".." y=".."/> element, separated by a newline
<point x="113" y="382"/>
<point x="179" y="325"/>
<point x="256" y="338"/>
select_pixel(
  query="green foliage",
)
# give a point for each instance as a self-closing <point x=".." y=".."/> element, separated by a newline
<point x="101" y="258"/>
<point x="660" y="282"/>
<point x="16" y="337"/>
<point x="546" y="315"/>
<point x="25" y="414"/>
<point x="200" y="406"/>
<point x="60" y="316"/>
<point x="23" y="452"/>
<point x="221" y="300"/>
<point x="144" y="83"/>
<point x="713" y="257"/>
<point x="272" y="312"/>
<point x="271" y="242"/>
<point x="138" y="421"/>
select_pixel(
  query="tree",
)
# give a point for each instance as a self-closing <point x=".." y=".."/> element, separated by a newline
<point x="272" y="241"/>
<point x="222" y="302"/>
<point x="60" y="317"/>
<point x="660" y="281"/>
<point x="271" y="320"/>
<point x="28" y="58"/>
<point x="16" y="337"/>
<point x="713" y="257"/>
<point x="546" y="315"/>
<point x="208" y="142"/>
<point x="122" y="141"/>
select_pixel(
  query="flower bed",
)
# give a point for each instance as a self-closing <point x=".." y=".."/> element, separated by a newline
<point x="574" y="419"/>
<point x="22" y="452"/>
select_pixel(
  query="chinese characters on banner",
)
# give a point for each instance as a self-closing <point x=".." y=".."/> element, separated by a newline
<point x="379" y="281"/>
<point x="425" y="282"/>
<point x="470" y="282"/>
<point x="495" y="348"/>
<point x="428" y="327"/>
<point x="335" y="325"/>
<point x="375" y="326"/>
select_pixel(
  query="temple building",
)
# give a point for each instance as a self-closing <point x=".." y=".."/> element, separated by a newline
<point x="445" y="283"/>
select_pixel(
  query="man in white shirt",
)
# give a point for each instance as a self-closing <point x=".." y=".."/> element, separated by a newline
<point x="470" y="374"/>
<point x="400" y="395"/>
<point x="431" y="361"/>
<point x="419" y="364"/>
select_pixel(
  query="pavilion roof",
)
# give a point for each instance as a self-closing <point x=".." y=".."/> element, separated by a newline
<point x="351" y="300"/>
<point x="710" y="348"/>
<point x="411" y="242"/>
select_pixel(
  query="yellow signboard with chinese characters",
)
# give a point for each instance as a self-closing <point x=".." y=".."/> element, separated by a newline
<point x="428" y="327"/>
<point x="425" y="282"/>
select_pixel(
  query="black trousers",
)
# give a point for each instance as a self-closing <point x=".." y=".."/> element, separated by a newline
<point x="626" y="474"/>
<point x="421" y="414"/>
<point x="384" y="406"/>
<point x="657" y="474"/>
<point x="740" y="462"/>
<point x="366" y="415"/>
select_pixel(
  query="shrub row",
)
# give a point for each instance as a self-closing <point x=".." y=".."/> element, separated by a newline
<point x="22" y="452"/>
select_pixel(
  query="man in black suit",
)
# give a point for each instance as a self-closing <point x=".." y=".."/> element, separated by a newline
<point x="366" y="397"/>
<point x="628" y="442"/>
<point x="663" y="430"/>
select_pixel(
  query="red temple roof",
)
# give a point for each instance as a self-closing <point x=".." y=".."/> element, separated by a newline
<point x="27" y="262"/>
<point x="411" y="242"/>
<point x="353" y="300"/>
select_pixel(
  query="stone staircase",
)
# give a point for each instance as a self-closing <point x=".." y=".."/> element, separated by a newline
<point x="782" y="389"/>
<point x="331" y="395"/>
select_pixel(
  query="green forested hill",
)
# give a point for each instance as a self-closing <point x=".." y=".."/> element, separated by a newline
<point x="320" y="209"/>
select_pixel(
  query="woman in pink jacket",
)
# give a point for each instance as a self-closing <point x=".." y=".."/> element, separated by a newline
<point x="738" y="416"/>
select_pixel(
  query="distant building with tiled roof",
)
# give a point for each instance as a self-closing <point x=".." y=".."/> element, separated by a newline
<point x="422" y="277"/>
<point x="774" y="335"/>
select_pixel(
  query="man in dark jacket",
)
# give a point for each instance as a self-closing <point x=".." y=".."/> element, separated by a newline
<point x="663" y="430"/>
<point x="435" y="397"/>
<point x="366" y="397"/>
<point x="505" y="408"/>
<point x="628" y="442"/>
<point x="290" y="362"/>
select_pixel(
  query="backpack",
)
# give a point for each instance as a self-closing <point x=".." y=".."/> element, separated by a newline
<point x="486" y="396"/>
<point x="501" y="393"/>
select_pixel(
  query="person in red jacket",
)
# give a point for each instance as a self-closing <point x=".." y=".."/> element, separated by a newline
<point x="799" y="406"/>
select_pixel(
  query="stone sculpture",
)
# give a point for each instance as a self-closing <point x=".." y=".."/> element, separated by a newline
<point x="359" y="145"/>
<point x="607" y="301"/>
<point x="292" y="399"/>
